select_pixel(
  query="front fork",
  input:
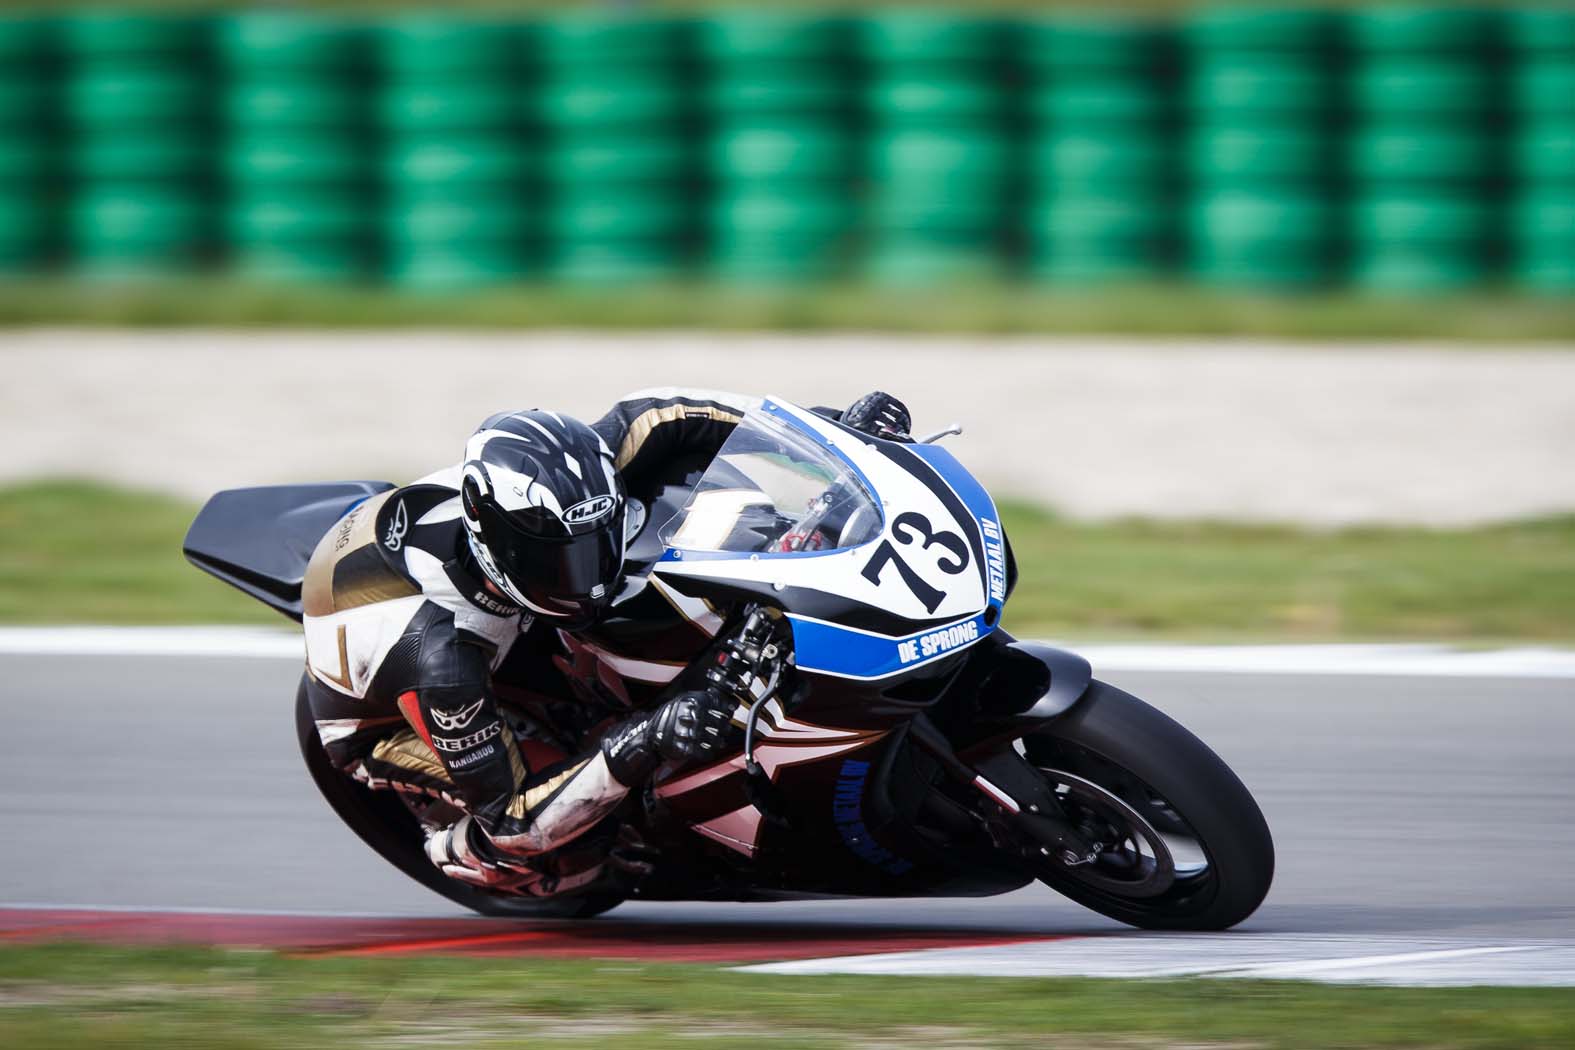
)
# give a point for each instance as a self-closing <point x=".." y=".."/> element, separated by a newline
<point x="1017" y="796"/>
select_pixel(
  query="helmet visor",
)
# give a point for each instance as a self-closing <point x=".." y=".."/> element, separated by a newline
<point x="555" y="569"/>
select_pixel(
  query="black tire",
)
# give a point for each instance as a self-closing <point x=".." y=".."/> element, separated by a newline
<point x="1109" y="727"/>
<point x="383" y="822"/>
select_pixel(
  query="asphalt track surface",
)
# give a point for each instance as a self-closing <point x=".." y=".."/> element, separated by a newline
<point x="1434" y="807"/>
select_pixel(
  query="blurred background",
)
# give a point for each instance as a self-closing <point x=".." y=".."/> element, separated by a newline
<point x="1389" y="149"/>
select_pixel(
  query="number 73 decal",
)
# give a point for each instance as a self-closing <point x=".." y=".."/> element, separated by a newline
<point x="909" y="528"/>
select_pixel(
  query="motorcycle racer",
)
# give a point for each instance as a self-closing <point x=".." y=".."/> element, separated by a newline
<point x="416" y="596"/>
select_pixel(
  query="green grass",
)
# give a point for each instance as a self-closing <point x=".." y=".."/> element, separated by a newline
<point x="74" y="995"/>
<point x="1485" y="318"/>
<point x="77" y="552"/>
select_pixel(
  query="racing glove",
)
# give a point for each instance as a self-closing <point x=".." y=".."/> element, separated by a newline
<point x="691" y="727"/>
<point x="880" y="414"/>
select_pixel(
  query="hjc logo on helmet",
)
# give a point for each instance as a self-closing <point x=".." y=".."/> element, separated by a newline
<point x="589" y="510"/>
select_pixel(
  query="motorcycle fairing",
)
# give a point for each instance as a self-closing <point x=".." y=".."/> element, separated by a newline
<point x="929" y="584"/>
<point x="260" y="539"/>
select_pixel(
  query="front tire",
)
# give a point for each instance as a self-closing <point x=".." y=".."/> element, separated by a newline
<point x="1159" y="771"/>
<point x="383" y="822"/>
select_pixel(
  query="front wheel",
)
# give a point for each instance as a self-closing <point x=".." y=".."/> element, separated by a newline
<point x="1177" y="841"/>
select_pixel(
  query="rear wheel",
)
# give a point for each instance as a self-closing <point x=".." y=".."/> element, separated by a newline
<point x="1178" y="842"/>
<point x="387" y="825"/>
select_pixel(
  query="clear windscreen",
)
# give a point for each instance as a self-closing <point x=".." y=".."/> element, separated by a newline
<point x="771" y="489"/>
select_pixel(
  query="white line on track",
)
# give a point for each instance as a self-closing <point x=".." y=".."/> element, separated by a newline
<point x="1405" y="660"/>
<point x="1334" y="959"/>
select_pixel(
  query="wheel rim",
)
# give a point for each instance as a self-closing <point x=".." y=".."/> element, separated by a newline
<point x="1129" y="856"/>
<point x="1148" y="848"/>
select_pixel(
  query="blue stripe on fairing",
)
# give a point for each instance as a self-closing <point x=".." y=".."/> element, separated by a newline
<point x="826" y="648"/>
<point x="968" y="489"/>
<point x="975" y="498"/>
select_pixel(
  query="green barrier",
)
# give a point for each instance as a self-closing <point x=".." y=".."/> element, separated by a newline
<point x="609" y="40"/>
<point x="1259" y="84"/>
<point x="777" y="91"/>
<point x="268" y="41"/>
<point x="146" y="156"/>
<point x="107" y="98"/>
<point x="162" y="223"/>
<point x="619" y="262"/>
<point x="25" y="231"/>
<point x="1544" y="86"/>
<point x="1545" y="153"/>
<point x="303" y="262"/>
<point x="932" y="99"/>
<point x="1543" y="233"/>
<point x="25" y="40"/>
<point x="1421" y="218"/>
<point x="1419" y="28"/>
<point x="929" y="38"/>
<point x="921" y="156"/>
<point x="1417" y="268"/>
<point x="793" y="150"/>
<point x="1420" y="154"/>
<point x="453" y="221"/>
<point x="419" y="46"/>
<point x="1083" y="159"/>
<point x="1266" y="151"/>
<point x="1260" y="29"/>
<point x="619" y="160"/>
<point x="1099" y="103"/>
<point x="777" y="262"/>
<point x="1087" y="238"/>
<point x="915" y="260"/>
<point x="473" y="264"/>
<point x="907" y="145"/>
<point x="1084" y="43"/>
<point x="296" y="158"/>
<point x="814" y="212"/>
<point x="263" y="214"/>
<point x="1421" y="87"/>
<point x="24" y="97"/>
<point x="627" y="101"/>
<point x="632" y="215"/>
<point x="743" y="39"/>
<point x="25" y="159"/>
<point x="1263" y="216"/>
<point x="1094" y="217"/>
<point x="424" y="107"/>
<point x="285" y="102"/>
<point x="112" y="35"/>
<point x="459" y="160"/>
<point x="1541" y="29"/>
<point x="938" y="211"/>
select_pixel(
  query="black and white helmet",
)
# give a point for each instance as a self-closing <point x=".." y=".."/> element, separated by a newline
<point x="544" y="510"/>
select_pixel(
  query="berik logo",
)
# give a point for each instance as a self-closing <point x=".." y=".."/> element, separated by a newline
<point x="589" y="510"/>
<point x="394" y="538"/>
<point x="458" y="719"/>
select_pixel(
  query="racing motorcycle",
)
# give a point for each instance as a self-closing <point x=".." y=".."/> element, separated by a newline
<point x="848" y="592"/>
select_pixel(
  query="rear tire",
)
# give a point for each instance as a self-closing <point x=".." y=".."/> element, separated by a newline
<point x="383" y="822"/>
<point x="1110" y="728"/>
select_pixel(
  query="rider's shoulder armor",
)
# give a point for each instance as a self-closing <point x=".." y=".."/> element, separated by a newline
<point x="385" y="568"/>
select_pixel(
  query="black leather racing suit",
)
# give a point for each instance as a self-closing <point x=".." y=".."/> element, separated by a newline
<point x="403" y="636"/>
